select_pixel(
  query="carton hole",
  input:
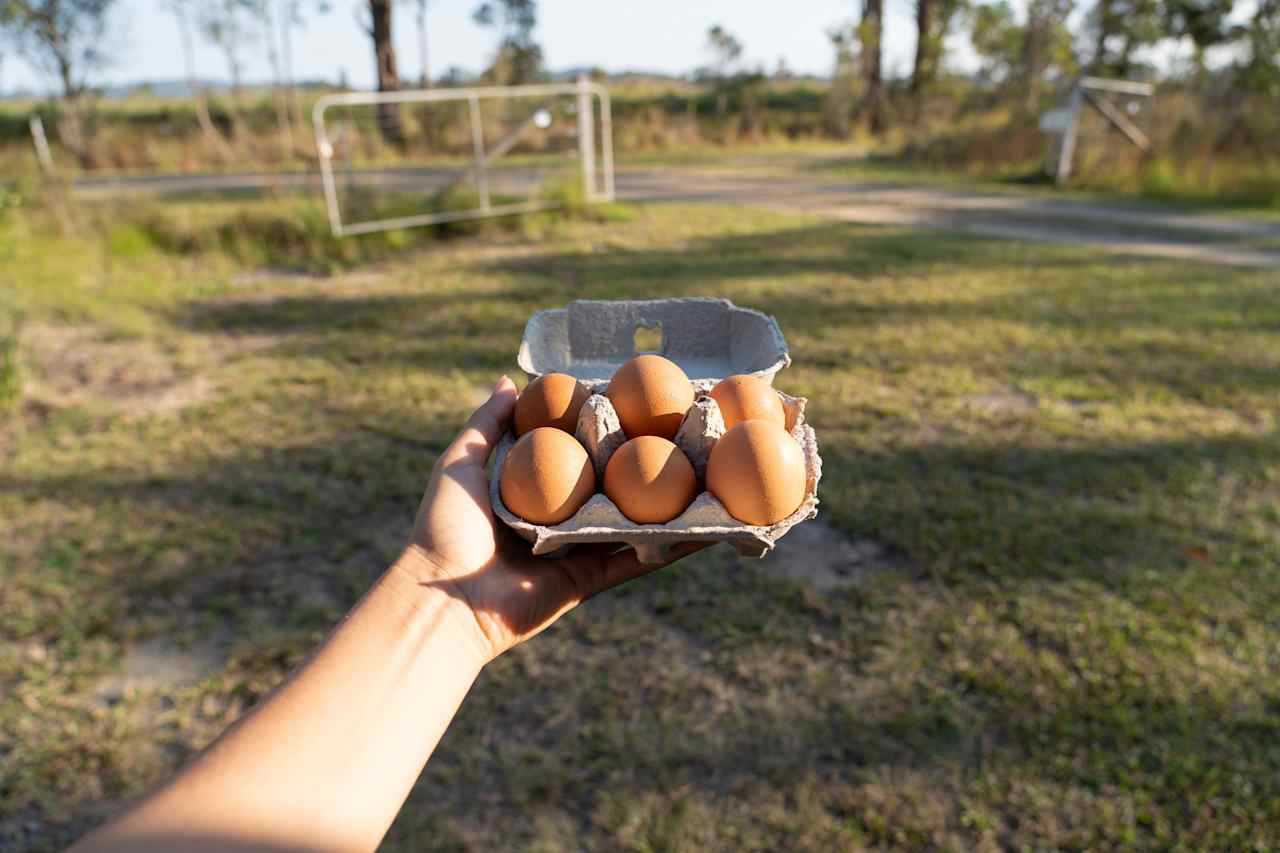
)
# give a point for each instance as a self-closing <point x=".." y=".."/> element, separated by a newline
<point x="648" y="339"/>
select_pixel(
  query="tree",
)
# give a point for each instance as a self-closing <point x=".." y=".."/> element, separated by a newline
<point x="424" y="75"/>
<point x="264" y="13"/>
<point x="7" y="15"/>
<point x="64" y="39"/>
<point x="996" y="38"/>
<point x="293" y="14"/>
<point x="179" y="10"/>
<point x="924" y="37"/>
<point x="226" y="24"/>
<point x="1260" y="72"/>
<point x="870" y="33"/>
<point x="384" y="52"/>
<point x="1046" y="43"/>
<point x="838" y="106"/>
<point x="726" y="50"/>
<point x="1021" y="55"/>
<point x="519" y="58"/>
<point x="933" y="23"/>
<point x="725" y="47"/>
<point x="1119" y="28"/>
<point x="1203" y="22"/>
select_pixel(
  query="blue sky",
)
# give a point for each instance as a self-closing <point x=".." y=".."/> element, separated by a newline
<point x="664" y="35"/>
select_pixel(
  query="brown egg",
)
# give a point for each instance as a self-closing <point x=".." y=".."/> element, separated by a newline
<point x="551" y="400"/>
<point x="748" y="398"/>
<point x="757" y="471"/>
<point x="547" y="476"/>
<point x="650" y="395"/>
<point x="650" y="480"/>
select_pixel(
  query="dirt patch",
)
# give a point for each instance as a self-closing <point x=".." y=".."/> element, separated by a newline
<point x="1000" y="402"/>
<point x="817" y="554"/>
<point x="72" y="366"/>
<point x="273" y="275"/>
<point x="160" y="663"/>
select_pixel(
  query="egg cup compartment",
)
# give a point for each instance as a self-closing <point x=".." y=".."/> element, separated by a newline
<point x="704" y="520"/>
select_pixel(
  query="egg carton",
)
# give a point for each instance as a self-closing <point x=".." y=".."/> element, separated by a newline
<point x="705" y="520"/>
<point x="709" y="339"/>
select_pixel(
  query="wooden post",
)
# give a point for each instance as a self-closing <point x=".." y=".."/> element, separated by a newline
<point x="1067" y="152"/>
<point x="42" y="146"/>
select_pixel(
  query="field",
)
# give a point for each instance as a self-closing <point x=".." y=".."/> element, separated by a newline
<point x="1047" y="616"/>
<point x="1207" y="150"/>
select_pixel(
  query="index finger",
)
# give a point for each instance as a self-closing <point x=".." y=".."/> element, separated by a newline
<point x="483" y="429"/>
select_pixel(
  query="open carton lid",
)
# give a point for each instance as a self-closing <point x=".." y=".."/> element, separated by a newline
<point x="709" y="338"/>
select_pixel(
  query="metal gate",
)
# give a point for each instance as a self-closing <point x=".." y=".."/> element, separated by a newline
<point x="368" y="187"/>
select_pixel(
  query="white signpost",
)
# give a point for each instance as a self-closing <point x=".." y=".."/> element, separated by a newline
<point x="1064" y="122"/>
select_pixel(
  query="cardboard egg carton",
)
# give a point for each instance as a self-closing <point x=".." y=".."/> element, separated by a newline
<point x="709" y="339"/>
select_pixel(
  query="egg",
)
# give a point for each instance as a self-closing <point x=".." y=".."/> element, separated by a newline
<point x="748" y="398"/>
<point x="547" y="476"/>
<point x="650" y="480"/>
<point x="650" y="395"/>
<point x="757" y="471"/>
<point x="551" y="400"/>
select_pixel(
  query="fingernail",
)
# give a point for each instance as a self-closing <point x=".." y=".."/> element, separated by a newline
<point x="503" y="384"/>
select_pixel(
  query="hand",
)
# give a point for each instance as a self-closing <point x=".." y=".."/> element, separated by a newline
<point x="458" y="546"/>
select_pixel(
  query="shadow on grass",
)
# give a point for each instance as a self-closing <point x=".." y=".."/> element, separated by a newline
<point x="850" y="279"/>
<point x="277" y="541"/>
<point x="1008" y="513"/>
<point x="304" y="530"/>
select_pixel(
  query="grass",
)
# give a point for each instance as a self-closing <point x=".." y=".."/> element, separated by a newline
<point x="1071" y="459"/>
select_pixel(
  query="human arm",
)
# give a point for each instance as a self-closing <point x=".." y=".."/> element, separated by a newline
<point x="325" y="762"/>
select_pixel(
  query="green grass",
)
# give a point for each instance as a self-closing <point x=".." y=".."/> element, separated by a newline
<point x="1072" y="460"/>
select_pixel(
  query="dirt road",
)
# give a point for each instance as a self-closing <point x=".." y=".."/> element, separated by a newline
<point x="1127" y="229"/>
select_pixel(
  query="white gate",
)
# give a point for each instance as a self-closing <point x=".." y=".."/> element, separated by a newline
<point x="576" y="115"/>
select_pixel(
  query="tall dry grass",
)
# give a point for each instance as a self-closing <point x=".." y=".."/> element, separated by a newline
<point x="1217" y="145"/>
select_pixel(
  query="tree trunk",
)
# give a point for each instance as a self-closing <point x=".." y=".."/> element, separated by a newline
<point x="284" y="121"/>
<point x="388" y="80"/>
<point x="1104" y="32"/>
<point x="70" y="122"/>
<point x="425" y="78"/>
<point x="871" y="30"/>
<point x="922" y="69"/>
<point x="237" y="93"/>
<point x="1032" y="60"/>
<point x="203" y="118"/>
<point x="286" y="44"/>
<point x="1124" y="62"/>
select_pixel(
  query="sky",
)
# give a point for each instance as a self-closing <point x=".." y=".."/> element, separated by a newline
<point x="651" y="35"/>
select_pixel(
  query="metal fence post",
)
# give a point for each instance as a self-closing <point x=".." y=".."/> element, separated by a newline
<point x="606" y="143"/>
<point x="477" y="145"/>
<point x="586" y="138"/>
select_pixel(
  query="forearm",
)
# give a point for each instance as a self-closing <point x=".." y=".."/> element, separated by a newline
<point x="326" y="762"/>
